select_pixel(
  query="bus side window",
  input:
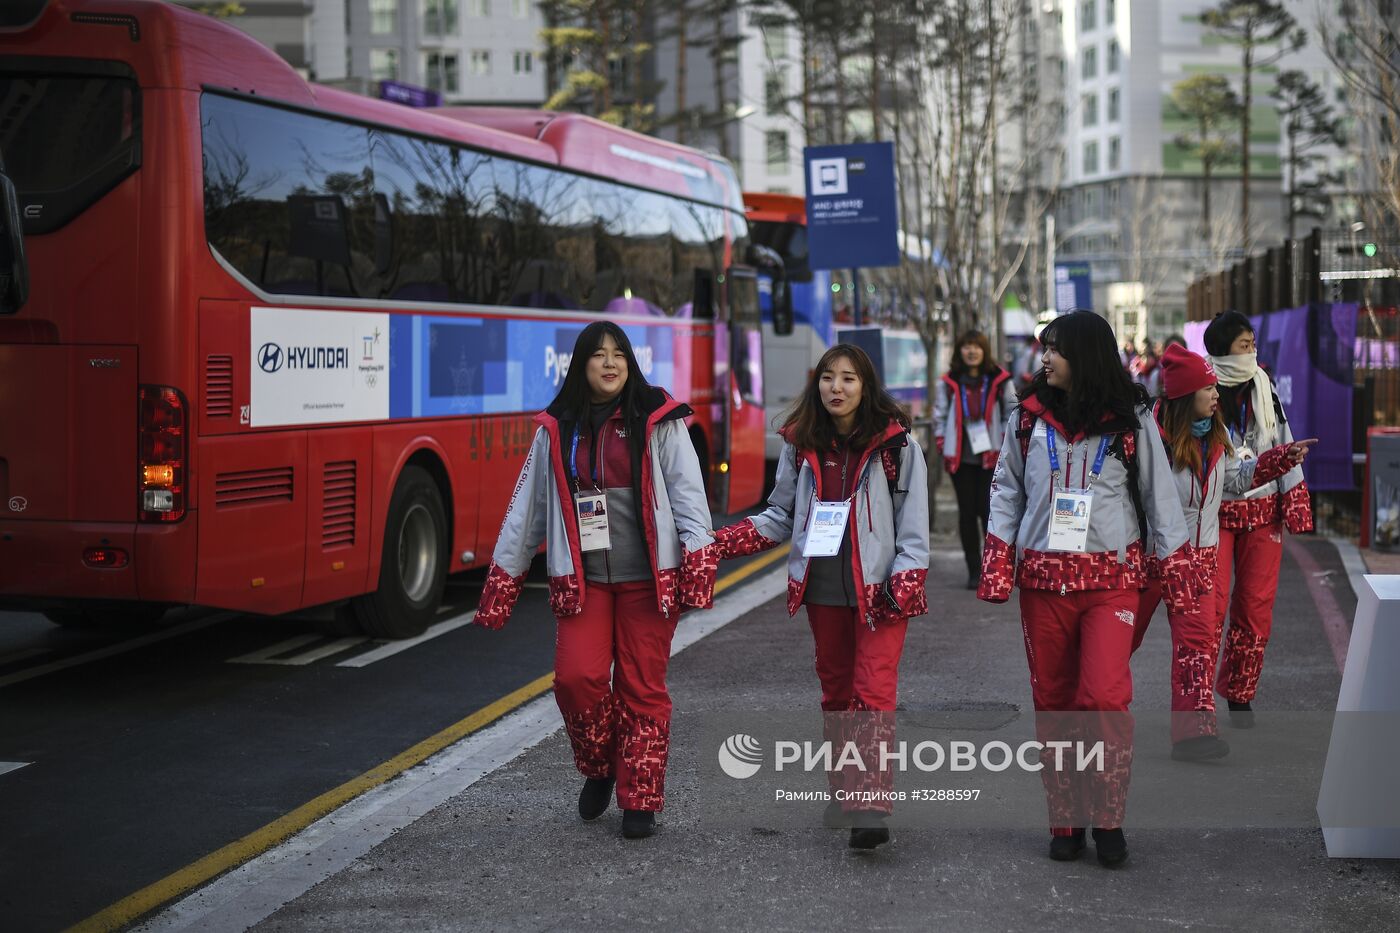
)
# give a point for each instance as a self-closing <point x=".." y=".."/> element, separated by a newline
<point x="383" y="234"/>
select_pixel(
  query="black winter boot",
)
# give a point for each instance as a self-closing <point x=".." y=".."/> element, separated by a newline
<point x="638" y="824"/>
<point x="593" y="799"/>
<point x="868" y="829"/>
<point x="1241" y="715"/>
<point x="1110" y="847"/>
<point x="1200" y="748"/>
<point x="1067" y="848"/>
<point x="833" y="817"/>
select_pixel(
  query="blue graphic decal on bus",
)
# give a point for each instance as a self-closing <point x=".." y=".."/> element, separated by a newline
<point x="470" y="366"/>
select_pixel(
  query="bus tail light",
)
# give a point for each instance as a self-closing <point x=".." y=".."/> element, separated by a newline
<point x="163" y="449"/>
<point x="105" y="558"/>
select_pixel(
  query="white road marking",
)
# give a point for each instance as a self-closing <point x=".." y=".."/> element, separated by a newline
<point x="7" y="766"/>
<point x="270" y="654"/>
<point x="390" y="648"/>
<point x="113" y="650"/>
<point x="254" y="891"/>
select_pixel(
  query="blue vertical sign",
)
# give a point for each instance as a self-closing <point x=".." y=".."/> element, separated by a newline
<point x="852" y="209"/>
<point x="1074" y="288"/>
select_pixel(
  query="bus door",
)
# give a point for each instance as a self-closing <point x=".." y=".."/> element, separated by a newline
<point x="741" y="464"/>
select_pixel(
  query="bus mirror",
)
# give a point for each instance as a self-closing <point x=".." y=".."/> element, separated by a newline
<point x="782" y="308"/>
<point x="14" y="268"/>
<point x="703" y="299"/>
<point x="383" y="235"/>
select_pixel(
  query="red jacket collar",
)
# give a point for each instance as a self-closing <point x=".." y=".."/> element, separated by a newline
<point x="1036" y="409"/>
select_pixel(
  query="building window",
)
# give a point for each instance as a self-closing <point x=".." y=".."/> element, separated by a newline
<point x="1113" y="112"/>
<point x="384" y="64"/>
<point x="520" y="9"/>
<point x="440" y="71"/>
<point x="1088" y="15"/>
<point x="1089" y="64"/>
<point x="1091" y="110"/>
<point x="1091" y="158"/>
<point x="777" y="146"/>
<point x="480" y="8"/>
<point x="524" y="61"/>
<point x="481" y="61"/>
<point x="1109" y="11"/>
<point x="349" y="63"/>
<point x="1115" y="153"/>
<point x="1112" y="56"/>
<point x="775" y="92"/>
<point x="439" y="17"/>
<point x="383" y="17"/>
<point x="774" y="40"/>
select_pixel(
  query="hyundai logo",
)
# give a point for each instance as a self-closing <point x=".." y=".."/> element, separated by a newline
<point x="270" y="357"/>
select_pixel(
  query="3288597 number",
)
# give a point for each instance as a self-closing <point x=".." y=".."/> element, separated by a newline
<point x="944" y="794"/>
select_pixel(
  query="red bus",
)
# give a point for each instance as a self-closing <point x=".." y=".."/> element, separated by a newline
<point x="281" y="344"/>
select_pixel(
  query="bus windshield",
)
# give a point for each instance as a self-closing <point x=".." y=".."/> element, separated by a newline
<point x="67" y="139"/>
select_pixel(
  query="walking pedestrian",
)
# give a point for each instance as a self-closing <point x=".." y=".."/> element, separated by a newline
<point x="851" y="494"/>
<point x="1082" y="435"/>
<point x="1205" y="468"/>
<point x="1251" y="523"/>
<point x="971" y="404"/>
<point x="612" y="486"/>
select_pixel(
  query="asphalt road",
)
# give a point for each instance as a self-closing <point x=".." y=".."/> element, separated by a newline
<point x="126" y="756"/>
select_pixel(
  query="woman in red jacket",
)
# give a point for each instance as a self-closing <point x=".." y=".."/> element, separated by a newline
<point x="970" y="406"/>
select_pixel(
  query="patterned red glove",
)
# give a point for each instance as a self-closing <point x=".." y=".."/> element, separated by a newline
<point x="1297" y="509"/>
<point x="998" y="570"/>
<point x="1181" y="582"/>
<point x="498" y="597"/>
<point x="1273" y="464"/>
<point x="698" y="570"/>
<point x="740" y="540"/>
<point x="907" y="588"/>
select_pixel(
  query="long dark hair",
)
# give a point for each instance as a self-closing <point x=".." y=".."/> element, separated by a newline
<point x="809" y="426"/>
<point x="1099" y="387"/>
<point x="988" y="366"/>
<point x="636" y="401"/>
<point x="1184" y="447"/>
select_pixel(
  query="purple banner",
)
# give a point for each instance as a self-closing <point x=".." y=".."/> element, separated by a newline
<point x="409" y="94"/>
<point x="1309" y="352"/>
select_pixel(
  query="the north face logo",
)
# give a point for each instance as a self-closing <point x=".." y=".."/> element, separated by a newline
<point x="1125" y="616"/>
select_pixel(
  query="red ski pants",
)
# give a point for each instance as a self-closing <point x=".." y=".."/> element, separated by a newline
<point x="1255" y="556"/>
<point x="1195" y="648"/>
<point x="859" y="672"/>
<point x="610" y="665"/>
<point x="1078" y="646"/>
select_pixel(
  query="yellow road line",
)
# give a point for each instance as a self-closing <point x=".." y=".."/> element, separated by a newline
<point x="216" y="863"/>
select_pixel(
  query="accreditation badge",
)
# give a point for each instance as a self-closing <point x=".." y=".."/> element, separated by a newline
<point x="979" y="438"/>
<point x="1069" y="520"/>
<point x="592" y="509"/>
<point x="1244" y="453"/>
<point x="827" y="529"/>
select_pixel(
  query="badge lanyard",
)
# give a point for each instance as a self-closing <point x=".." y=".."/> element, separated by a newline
<point x="1243" y="424"/>
<point x="1070" y="508"/>
<point x="1051" y="449"/>
<point x="573" y="464"/>
<point x="591" y="507"/>
<point x="986" y="385"/>
<point x="828" y="526"/>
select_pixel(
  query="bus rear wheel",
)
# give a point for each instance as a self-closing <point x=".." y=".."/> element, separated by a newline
<point x="413" y="566"/>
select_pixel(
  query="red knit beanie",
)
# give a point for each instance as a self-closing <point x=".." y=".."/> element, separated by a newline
<point x="1183" y="372"/>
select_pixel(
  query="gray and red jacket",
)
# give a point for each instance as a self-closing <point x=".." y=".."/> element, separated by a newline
<point x="675" y="518"/>
<point x="889" y="517"/>
<point x="949" y="435"/>
<point x="1223" y="473"/>
<point x="1283" y="499"/>
<point x="1018" y="532"/>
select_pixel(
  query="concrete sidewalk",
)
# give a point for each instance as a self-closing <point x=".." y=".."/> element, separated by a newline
<point x="509" y="853"/>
